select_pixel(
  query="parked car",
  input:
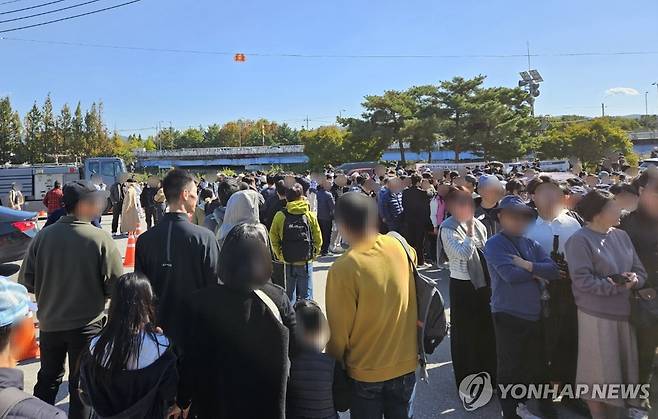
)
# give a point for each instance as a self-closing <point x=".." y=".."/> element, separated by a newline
<point x="17" y="228"/>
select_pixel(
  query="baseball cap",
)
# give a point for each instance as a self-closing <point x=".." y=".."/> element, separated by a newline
<point x="14" y="302"/>
<point x="516" y="204"/>
<point x="79" y="190"/>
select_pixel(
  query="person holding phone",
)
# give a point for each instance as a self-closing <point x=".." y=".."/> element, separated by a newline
<point x="604" y="268"/>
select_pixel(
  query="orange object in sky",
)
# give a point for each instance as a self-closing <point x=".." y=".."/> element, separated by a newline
<point x="240" y="58"/>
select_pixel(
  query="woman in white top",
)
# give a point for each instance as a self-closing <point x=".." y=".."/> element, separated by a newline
<point x="472" y="338"/>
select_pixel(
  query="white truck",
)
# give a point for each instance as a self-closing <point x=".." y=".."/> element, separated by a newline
<point x="35" y="181"/>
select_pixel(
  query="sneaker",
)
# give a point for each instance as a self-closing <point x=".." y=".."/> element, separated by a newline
<point x="525" y="413"/>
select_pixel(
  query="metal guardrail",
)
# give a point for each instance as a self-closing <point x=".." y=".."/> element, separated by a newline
<point x="643" y="135"/>
<point x="221" y="151"/>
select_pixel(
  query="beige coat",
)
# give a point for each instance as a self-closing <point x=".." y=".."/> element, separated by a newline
<point x="130" y="211"/>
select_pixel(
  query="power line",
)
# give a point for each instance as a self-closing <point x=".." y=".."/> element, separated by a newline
<point x="69" y="17"/>
<point x="32" y="7"/>
<point x="328" y="56"/>
<point x="9" y="2"/>
<point x="50" y="11"/>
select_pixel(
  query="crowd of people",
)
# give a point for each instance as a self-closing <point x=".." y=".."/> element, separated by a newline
<point x="551" y="280"/>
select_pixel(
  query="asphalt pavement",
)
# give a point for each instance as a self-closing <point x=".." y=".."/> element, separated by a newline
<point x="437" y="398"/>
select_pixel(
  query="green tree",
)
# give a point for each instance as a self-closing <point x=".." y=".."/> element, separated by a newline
<point x="500" y="123"/>
<point x="285" y="135"/>
<point x="33" y="132"/>
<point x="387" y="114"/>
<point x="190" y="138"/>
<point x="323" y="145"/>
<point x="10" y="133"/>
<point x="362" y="142"/>
<point x="456" y="98"/>
<point x="596" y="139"/>
<point x="65" y="131"/>
<point x="149" y="144"/>
<point x="212" y="136"/>
<point x="423" y="129"/>
<point x="49" y="136"/>
<point x="78" y="144"/>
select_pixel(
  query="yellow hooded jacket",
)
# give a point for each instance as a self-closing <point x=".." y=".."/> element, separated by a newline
<point x="276" y="231"/>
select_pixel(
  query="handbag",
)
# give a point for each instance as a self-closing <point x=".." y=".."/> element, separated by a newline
<point x="644" y="308"/>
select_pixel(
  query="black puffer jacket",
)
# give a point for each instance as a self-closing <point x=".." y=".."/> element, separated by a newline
<point x="310" y="392"/>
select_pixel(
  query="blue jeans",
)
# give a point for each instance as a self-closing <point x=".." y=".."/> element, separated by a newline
<point x="299" y="281"/>
<point x="392" y="399"/>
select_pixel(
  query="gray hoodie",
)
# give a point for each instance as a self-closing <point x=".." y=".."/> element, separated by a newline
<point x="241" y="208"/>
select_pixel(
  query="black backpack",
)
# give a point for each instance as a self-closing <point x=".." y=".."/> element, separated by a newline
<point x="297" y="244"/>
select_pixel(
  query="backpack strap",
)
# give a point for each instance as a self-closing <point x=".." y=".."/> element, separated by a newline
<point x="407" y="249"/>
<point x="270" y="304"/>
<point x="9" y="398"/>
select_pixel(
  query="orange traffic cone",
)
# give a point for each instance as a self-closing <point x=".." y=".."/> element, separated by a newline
<point x="129" y="260"/>
<point x="27" y="339"/>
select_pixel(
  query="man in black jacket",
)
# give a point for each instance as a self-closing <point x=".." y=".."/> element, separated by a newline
<point x="642" y="227"/>
<point x="177" y="256"/>
<point x="416" y="217"/>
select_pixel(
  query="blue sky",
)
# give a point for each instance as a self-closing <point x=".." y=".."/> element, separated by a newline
<point x="141" y="88"/>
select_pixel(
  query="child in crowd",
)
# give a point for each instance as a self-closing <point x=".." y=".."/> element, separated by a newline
<point x="311" y="371"/>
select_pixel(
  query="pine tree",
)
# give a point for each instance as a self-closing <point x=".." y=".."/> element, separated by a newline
<point x="33" y="134"/>
<point x="65" y="131"/>
<point x="10" y="133"/>
<point x="49" y="141"/>
<point x="78" y="143"/>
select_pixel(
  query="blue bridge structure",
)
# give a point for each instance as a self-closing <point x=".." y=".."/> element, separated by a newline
<point x="264" y="157"/>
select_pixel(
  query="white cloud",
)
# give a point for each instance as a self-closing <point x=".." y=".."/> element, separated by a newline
<point x="628" y="91"/>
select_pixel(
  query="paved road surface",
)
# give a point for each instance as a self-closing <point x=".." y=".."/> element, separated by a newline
<point x="436" y="399"/>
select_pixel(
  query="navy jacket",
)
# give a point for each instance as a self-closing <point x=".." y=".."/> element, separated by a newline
<point x="326" y="204"/>
<point x="514" y="290"/>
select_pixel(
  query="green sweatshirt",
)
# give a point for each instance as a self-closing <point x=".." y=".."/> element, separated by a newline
<point x="276" y="231"/>
<point x="70" y="266"/>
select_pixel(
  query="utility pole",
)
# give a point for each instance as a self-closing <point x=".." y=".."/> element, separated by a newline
<point x="528" y="49"/>
<point x="262" y="131"/>
<point x="306" y="122"/>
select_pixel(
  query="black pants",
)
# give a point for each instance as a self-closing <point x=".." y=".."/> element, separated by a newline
<point x="561" y="335"/>
<point x="116" y="213"/>
<point x="472" y="337"/>
<point x="55" y="346"/>
<point x="325" y="228"/>
<point x="415" y="235"/>
<point x="521" y="356"/>
<point x="647" y="342"/>
<point x="151" y="217"/>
